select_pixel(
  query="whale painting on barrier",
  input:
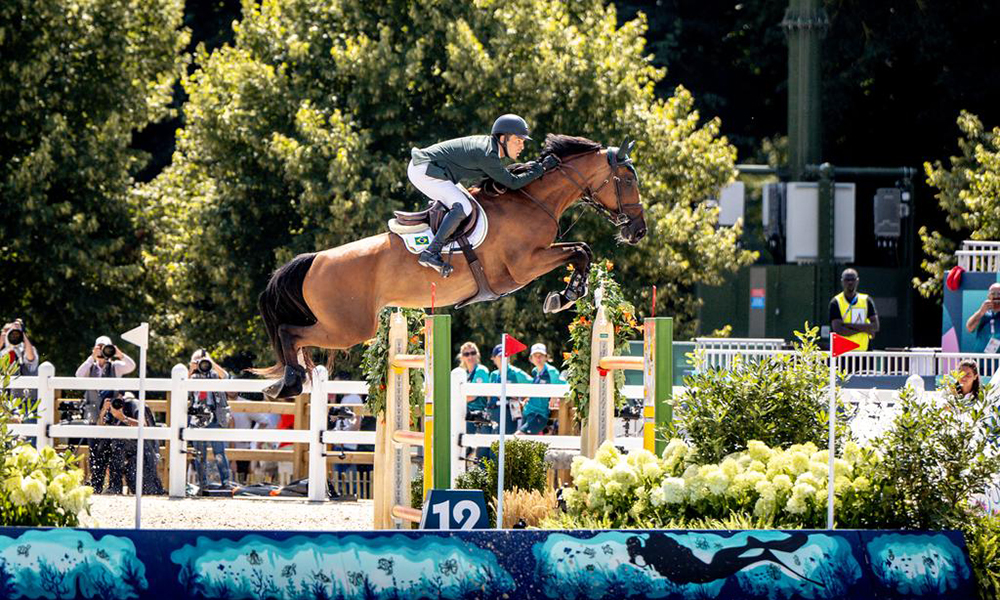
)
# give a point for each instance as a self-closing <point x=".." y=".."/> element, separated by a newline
<point x="564" y="565"/>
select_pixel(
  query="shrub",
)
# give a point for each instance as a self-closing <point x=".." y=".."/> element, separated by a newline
<point x="778" y="400"/>
<point x="37" y="489"/>
<point x="982" y="536"/>
<point x="524" y="470"/>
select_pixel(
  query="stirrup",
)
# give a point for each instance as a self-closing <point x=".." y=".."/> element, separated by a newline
<point x="445" y="269"/>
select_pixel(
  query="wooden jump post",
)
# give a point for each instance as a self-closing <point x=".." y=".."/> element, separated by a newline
<point x="393" y="436"/>
<point x="656" y="364"/>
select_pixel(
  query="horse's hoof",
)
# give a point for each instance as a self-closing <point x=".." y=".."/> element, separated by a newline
<point x="556" y="302"/>
<point x="289" y="386"/>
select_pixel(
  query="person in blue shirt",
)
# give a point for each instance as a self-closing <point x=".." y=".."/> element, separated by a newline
<point x="536" y="410"/>
<point x="514" y="375"/>
<point x="474" y="373"/>
<point x="985" y="323"/>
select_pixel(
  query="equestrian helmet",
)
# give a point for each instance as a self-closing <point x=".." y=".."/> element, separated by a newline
<point x="510" y="125"/>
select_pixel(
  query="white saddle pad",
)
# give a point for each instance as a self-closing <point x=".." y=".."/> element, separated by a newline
<point x="418" y="237"/>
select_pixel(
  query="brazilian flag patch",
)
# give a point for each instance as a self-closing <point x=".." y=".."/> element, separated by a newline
<point x="422" y="240"/>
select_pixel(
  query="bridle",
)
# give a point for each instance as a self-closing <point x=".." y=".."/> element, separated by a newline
<point x="588" y="195"/>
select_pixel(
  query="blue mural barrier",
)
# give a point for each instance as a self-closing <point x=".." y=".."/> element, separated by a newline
<point x="569" y="565"/>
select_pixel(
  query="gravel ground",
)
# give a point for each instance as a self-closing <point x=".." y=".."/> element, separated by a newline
<point x="231" y="513"/>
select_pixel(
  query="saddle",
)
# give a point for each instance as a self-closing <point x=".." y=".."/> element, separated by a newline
<point x="431" y="217"/>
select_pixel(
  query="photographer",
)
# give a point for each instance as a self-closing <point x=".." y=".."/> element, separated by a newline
<point x="342" y="417"/>
<point x="22" y="353"/>
<point x="208" y="410"/>
<point x="123" y="411"/>
<point x="105" y="360"/>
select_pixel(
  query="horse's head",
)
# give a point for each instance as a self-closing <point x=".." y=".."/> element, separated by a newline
<point x="620" y="201"/>
<point x="606" y="178"/>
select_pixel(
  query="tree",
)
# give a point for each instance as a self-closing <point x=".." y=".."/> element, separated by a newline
<point x="77" y="78"/>
<point x="968" y="193"/>
<point x="297" y="138"/>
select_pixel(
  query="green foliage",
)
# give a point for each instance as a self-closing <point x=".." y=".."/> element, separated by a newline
<point x="932" y="460"/>
<point x="621" y="313"/>
<point x="375" y="361"/>
<point x="968" y="193"/>
<point x="524" y="469"/>
<point x="77" y="79"/>
<point x="779" y="400"/>
<point x="296" y="138"/>
<point x="982" y="536"/>
<point x="37" y="489"/>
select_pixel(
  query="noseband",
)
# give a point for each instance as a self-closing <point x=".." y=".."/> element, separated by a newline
<point x="617" y="217"/>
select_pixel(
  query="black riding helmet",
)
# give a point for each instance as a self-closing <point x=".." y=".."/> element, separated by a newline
<point x="509" y="124"/>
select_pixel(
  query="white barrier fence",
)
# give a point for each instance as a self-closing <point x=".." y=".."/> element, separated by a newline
<point x="979" y="256"/>
<point x="317" y="436"/>
<point x="879" y="363"/>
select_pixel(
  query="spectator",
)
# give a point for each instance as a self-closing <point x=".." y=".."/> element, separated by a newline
<point x="208" y="410"/>
<point x="852" y="314"/>
<point x="986" y="319"/>
<point x="123" y="412"/>
<point x="240" y="365"/>
<point x="514" y="375"/>
<point x="22" y="353"/>
<point x="476" y="415"/>
<point x="105" y="360"/>
<point x="536" y="411"/>
<point x="344" y="416"/>
<point x="967" y="386"/>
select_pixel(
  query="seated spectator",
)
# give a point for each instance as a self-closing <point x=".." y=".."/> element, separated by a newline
<point x="105" y="360"/>
<point x="536" y="410"/>
<point x="514" y="375"/>
<point x="123" y="411"/>
<point x="967" y="386"/>
<point x="476" y="415"/>
<point x="21" y="353"/>
<point x="209" y="410"/>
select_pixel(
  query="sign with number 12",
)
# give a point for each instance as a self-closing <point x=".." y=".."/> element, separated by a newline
<point x="454" y="509"/>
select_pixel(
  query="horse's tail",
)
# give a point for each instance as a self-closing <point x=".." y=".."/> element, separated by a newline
<point x="282" y="303"/>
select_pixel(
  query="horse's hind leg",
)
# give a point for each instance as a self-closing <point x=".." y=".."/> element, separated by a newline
<point x="294" y="376"/>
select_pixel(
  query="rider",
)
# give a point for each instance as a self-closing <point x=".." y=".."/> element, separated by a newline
<point x="436" y="171"/>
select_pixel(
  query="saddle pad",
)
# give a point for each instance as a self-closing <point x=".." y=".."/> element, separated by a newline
<point x="418" y="237"/>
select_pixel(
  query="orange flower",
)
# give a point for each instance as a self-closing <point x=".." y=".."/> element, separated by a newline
<point x="567" y="355"/>
<point x="570" y="267"/>
<point x="566" y="279"/>
<point x="609" y="265"/>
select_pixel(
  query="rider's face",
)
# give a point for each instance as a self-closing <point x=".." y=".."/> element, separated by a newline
<point x="515" y="144"/>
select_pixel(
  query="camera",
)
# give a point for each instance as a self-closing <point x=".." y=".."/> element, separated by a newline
<point x="341" y="412"/>
<point x="204" y="366"/>
<point x="15" y="337"/>
<point x="478" y="416"/>
<point x="117" y="403"/>
<point x="108" y="351"/>
<point x="631" y="411"/>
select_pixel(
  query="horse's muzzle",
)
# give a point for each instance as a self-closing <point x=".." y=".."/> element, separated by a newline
<point x="633" y="231"/>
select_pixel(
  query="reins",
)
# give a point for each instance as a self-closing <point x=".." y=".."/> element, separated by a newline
<point x="588" y="196"/>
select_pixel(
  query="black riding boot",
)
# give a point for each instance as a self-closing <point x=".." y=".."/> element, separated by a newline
<point x="431" y="256"/>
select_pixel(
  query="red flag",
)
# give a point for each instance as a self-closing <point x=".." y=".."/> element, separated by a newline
<point x="842" y="345"/>
<point x="511" y="346"/>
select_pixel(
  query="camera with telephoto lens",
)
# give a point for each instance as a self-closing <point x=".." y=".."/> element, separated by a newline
<point x="204" y="366"/>
<point x="16" y="334"/>
<point x="108" y="351"/>
<point x="631" y="411"/>
<point x="478" y="416"/>
<point x="341" y="412"/>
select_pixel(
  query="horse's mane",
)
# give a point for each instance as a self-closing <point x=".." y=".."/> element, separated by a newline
<point x="568" y="145"/>
<point x="561" y="146"/>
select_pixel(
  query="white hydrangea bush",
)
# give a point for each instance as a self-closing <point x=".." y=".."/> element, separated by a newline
<point x="41" y="489"/>
<point x="786" y="487"/>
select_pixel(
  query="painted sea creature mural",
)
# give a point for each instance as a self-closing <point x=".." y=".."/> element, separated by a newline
<point x="69" y="563"/>
<point x="340" y="566"/>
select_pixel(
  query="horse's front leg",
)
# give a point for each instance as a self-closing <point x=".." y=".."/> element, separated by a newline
<point x="544" y="260"/>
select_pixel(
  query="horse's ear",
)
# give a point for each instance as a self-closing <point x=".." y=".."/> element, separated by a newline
<point x="625" y="148"/>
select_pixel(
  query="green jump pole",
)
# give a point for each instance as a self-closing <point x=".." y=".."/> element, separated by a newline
<point x="437" y="402"/>
<point x="658" y="379"/>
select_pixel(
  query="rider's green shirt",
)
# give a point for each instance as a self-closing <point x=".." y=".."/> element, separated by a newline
<point x="471" y="158"/>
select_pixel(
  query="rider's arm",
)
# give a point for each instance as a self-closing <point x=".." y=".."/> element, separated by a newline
<point x="492" y="166"/>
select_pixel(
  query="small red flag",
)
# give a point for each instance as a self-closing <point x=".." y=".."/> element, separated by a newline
<point x="842" y="345"/>
<point x="511" y="346"/>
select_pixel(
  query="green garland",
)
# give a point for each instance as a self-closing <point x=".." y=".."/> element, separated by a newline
<point x="577" y="361"/>
<point x="375" y="361"/>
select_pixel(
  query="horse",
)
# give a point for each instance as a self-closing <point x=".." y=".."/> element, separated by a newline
<point x="332" y="299"/>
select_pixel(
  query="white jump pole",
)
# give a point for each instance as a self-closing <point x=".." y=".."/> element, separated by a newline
<point x="140" y="337"/>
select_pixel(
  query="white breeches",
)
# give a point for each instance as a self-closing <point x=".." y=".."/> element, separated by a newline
<point x="441" y="190"/>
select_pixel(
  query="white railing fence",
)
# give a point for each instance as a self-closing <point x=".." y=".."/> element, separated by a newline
<point x="177" y="433"/>
<point x="979" y="256"/>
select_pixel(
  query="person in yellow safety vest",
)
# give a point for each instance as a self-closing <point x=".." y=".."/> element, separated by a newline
<point x="853" y="315"/>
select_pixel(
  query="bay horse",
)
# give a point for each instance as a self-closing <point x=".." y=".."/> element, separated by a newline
<point x="332" y="299"/>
